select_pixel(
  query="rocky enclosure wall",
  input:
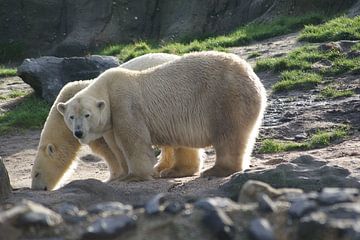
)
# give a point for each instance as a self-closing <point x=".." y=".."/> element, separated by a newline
<point x="69" y="28"/>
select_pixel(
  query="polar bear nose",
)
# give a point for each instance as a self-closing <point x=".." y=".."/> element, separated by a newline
<point x="78" y="134"/>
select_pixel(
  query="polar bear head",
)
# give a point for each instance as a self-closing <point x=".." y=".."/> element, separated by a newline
<point x="87" y="117"/>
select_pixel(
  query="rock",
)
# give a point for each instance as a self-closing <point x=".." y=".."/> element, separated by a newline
<point x="219" y="223"/>
<point x="266" y="204"/>
<point x="110" y="208"/>
<point x="260" y="229"/>
<point x="330" y="196"/>
<point x="47" y="75"/>
<point x="154" y="205"/>
<point x="252" y="190"/>
<point x="302" y="207"/>
<point x="5" y="187"/>
<point x="330" y="46"/>
<point x="29" y="214"/>
<point x="216" y="203"/>
<point x="321" y="65"/>
<point x="304" y="172"/>
<point x="71" y="213"/>
<point x="75" y="28"/>
<point x="338" y="220"/>
<point x="353" y="54"/>
<point x="109" y="227"/>
<point x="174" y="207"/>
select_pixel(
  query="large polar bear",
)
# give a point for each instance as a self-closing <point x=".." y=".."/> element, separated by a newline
<point x="201" y="99"/>
<point x="58" y="147"/>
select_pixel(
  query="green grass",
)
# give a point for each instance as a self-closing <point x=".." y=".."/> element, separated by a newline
<point x="331" y="92"/>
<point x="30" y="113"/>
<point x="296" y="79"/>
<point x="242" y="36"/>
<point x="318" y="140"/>
<point x="337" y="29"/>
<point x="13" y="94"/>
<point x="7" y="72"/>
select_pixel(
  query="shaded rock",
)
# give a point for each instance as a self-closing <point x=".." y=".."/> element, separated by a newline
<point x="30" y="214"/>
<point x="346" y="45"/>
<point x="304" y="172"/>
<point x="353" y="54"/>
<point x="330" y="196"/>
<point x="330" y="46"/>
<point x="174" y="207"/>
<point x="8" y="232"/>
<point x="47" y="75"/>
<point x="5" y="187"/>
<point x="260" y="229"/>
<point x="110" y="208"/>
<point x="321" y="65"/>
<point x="154" y="205"/>
<point x="219" y="223"/>
<point x="302" y="207"/>
<point x="109" y="227"/>
<point x="266" y="204"/>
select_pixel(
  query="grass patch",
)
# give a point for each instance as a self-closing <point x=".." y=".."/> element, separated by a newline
<point x="334" y="30"/>
<point x="13" y="94"/>
<point x="296" y="79"/>
<point x="30" y="113"/>
<point x="242" y="36"/>
<point x="331" y="92"/>
<point x="7" y="72"/>
<point x="318" y="140"/>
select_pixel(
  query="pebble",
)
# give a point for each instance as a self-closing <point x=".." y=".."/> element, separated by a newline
<point x="154" y="205"/>
<point x="260" y="229"/>
<point x="330" y="196"/>
<point x="109" y="227"/>
<point x="215" y="203"/>
<point x="219" y="223"/>
<point x="110" y="208"/>
<point x="71" y="213"/>
<point x="302" y="207"/>
<point x="266" y="204"/>
<point x="174" y="207"/>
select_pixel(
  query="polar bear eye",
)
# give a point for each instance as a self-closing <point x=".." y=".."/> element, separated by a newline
<point x="71" y="117"/>
<point x="87" y="115"/>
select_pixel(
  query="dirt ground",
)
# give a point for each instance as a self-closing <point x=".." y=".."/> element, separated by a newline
<point x="288" y="116"/>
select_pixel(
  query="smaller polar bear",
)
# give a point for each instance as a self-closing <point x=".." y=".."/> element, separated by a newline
<point x="58" y="147"/>
<point x="201" y="99"/>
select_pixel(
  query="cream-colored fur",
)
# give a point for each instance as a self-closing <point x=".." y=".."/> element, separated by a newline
<point x="201" y="99"/>
<point x="58" y="148"/>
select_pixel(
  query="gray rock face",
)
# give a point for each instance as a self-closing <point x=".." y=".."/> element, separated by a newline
<point x="73" y="28"/>
<point x="47" y="75"/>
<point x="304" y="172"/>
<point x="5" y="188"/>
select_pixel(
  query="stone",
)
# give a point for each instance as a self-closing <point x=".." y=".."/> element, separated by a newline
<point x="302" y="207"/>
<point x="305" y="172"/>
<point x="47" y="75"/>
<point x="260" y="229"/>
<point x="109" y="227"/>
<point x="174" y="207"/>
<point x="5" y="187"/>
<point x="330" y="46"/>
<point x="29" y="214"/>
<point x="154" y="205"/>
<point x="110" y="208"/>
<point x="321" y="65"/>
<point x="75" y="28"/>
<point x="216" y="203"/>
<point x="217" y="221"/>
<point x="353" y="54"/>
<point x="71" y="213"/>
<point x="330" y="196"/>
<point x="266" y="205"/>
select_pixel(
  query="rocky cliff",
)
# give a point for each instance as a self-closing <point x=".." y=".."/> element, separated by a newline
<point x="70" y="28"/>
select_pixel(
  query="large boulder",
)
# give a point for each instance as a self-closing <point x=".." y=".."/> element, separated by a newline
<point x="47" y="75"/>
<point x="5" y="188"/>
<point x="73" y="28"/>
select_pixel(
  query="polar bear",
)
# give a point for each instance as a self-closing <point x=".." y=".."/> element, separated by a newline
<point x="201" y="99"/>
<point x="58" y="147"/>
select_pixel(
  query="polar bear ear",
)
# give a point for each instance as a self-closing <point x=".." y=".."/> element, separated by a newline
<point x="100" y="104"/>
<point x="50" y="149"/>
<point x="61" y="107"/>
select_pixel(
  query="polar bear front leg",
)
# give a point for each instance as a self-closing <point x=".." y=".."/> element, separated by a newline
<point x="133" y="138"/>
